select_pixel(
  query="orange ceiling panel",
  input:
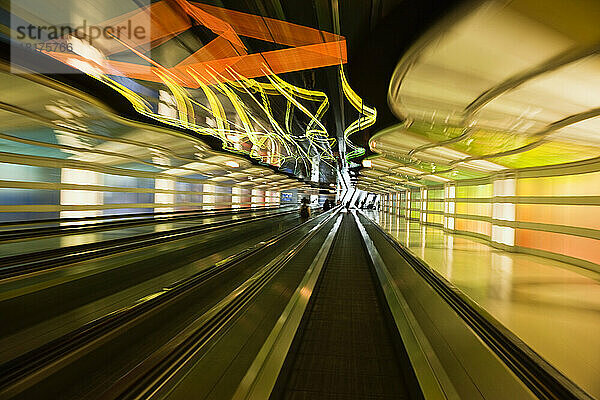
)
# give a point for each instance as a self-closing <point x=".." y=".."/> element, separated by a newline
<point x="309" y="47"/>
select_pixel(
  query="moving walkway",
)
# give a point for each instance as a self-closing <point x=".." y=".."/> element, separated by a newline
<point x="147" y="337"/>
<point x="49" y="293"/>
<point x="330" y="308"/>
<point x="345" y="346"/>
<point x="31" y="249"/>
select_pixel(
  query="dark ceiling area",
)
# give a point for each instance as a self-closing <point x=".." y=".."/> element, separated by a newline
<point x="374" y="53"/>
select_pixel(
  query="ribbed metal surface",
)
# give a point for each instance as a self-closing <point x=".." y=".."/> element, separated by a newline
<point x="345" y="351"/>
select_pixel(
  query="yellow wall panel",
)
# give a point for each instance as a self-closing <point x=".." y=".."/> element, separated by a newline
<point x="482" y="209"/>
<point x="568" y="185"/>
<point x="435" y="219"/>
<point x="476" y="191"/>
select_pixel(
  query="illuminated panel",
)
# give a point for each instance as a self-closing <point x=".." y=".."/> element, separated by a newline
<point x="415" y="205"/>
<point x="208" y="200"/>
<point x="311" y="48"/>
<point x="272" y="197"/>
<point x="467" y="225"/>
<point x="424" y="205"/>
<point x="480" y="209"/>
<point x="568" y="185"/>
<point x="475" y="191"/>
<point x="435" y="194"/>
<point x="435" y="219"/>
<point x="236" y="197"/>
<point x="403" y="204"/>
<point x="246" y="198"/>
<point x="504" y="212"/>
<point x="583" y="216"/>
<point x="80" y="197"/>
<point x="572" y="246"/>
<point x="449" y="207"/>
<point x="164" y="198"/>
<point x="475" y="209"/>
<point x="258" y="197"/>
<point x="572" y="215"/>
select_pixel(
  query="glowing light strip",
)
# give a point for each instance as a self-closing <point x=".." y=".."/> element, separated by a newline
<point x="320" y="135"/>
<point x="367" y="118"/>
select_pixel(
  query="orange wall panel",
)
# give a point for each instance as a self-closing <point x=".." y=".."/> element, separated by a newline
<point x="559" y="214"/>
<point x="573" y="246"/>
<point x="482" y="227"/>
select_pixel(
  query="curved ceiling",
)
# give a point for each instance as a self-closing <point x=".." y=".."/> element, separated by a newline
<point x="263" y="77"/>
<point x="474" y="103"/>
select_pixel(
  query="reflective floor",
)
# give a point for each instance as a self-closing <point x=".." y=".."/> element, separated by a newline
<point x="553" y="307"/>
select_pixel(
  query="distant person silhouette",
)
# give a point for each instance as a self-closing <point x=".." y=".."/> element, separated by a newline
<point x="304" y="210"/>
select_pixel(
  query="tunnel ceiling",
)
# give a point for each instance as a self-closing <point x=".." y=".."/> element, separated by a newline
<point x="268" y="78"/>
<point x="430" y="92"/>
<point x="473" y="104"/>
<point x="41" y="125"/>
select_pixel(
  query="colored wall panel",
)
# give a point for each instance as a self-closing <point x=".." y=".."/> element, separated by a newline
<point x="477" y="191"/>
<point x="435" y="206"/>
<point x="568" y="245"/>
<point x="481" y="209"/>
<point x="435" y="194"/>
<point x="570" y="215"/>
<point x="568" y="185"/>
<point x="435" y="219"/>
<point x="467" y="225"/>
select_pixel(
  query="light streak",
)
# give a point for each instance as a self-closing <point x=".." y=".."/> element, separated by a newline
<point x="368" y="116"/>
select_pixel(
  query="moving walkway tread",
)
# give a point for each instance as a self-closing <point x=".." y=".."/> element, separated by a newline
<point x="120" y="280"/>
<point x="24" y="263"/>
<point x="344" y="348"/>
<point x="82" y="221"/>
<point x="155" y="322"/>
<point x="102" y="223"/>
